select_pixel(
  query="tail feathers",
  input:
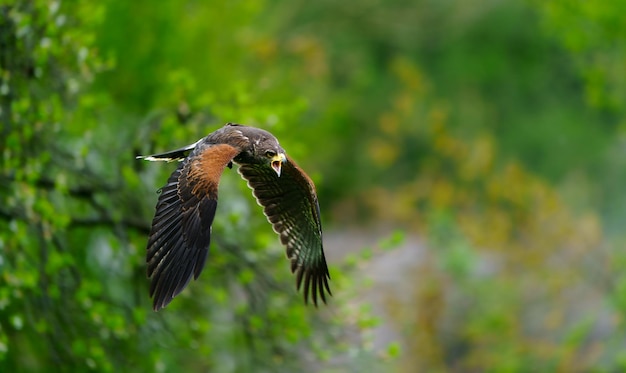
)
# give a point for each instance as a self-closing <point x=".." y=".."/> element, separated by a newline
<point x="173" y="155"/>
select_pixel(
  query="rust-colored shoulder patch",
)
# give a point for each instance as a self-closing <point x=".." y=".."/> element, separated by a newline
<point x="207" y="167"/>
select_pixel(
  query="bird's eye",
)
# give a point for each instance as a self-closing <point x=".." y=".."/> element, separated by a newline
<point x="270" y="154"/>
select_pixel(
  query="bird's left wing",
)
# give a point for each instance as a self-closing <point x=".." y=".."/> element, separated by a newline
<point x="290" y="203"/>
<point x="181" y="229"/>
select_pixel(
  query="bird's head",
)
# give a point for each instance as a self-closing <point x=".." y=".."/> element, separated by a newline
<point x="267" y="151"/>
<point x="276" y="159"/>
<point x="261" y="147"/>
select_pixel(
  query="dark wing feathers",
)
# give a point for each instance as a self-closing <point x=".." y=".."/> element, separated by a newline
<point x="291" y="206"/>
<point x="181" y="228"/>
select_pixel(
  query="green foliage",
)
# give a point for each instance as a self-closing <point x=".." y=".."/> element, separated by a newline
<point x="76" y="205"/>
<point x="493" y="131"/>
<point x="594" y="34"/>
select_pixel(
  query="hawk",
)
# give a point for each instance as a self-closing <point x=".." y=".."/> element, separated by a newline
<point x="181" y="229"/>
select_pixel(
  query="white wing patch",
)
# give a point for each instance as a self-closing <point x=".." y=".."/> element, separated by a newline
<point x="241" y="135"/>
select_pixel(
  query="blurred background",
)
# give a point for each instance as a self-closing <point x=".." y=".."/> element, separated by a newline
<point x="470" y="159"/>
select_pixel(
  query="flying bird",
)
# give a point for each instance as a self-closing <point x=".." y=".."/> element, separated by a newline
<point x="181" y="229"/>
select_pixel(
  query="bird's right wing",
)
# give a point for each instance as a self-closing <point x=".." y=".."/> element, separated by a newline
<point x="181" y="229"/>
<point x="290" y="204"/>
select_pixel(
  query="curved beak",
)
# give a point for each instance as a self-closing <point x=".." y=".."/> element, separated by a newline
<point x="277" y="162"/>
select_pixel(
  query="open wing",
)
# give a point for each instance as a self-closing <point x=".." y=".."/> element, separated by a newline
<point x="290" y="204"/>
<point x="181" y="229"/>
